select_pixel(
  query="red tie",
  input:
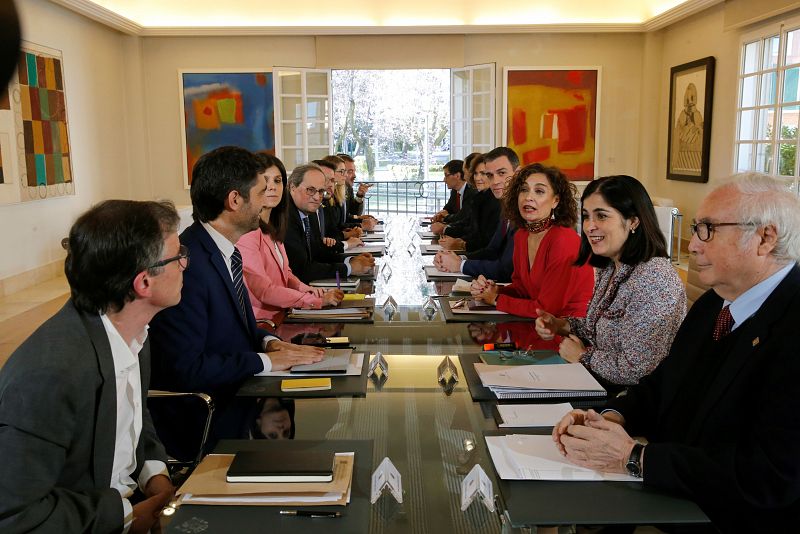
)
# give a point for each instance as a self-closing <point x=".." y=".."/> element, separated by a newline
<point x="724" y="323"/>
<point x="458" y="200"/>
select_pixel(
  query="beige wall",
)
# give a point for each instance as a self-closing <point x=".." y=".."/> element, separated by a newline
<point x="702" y="35"/>
<point x="94" y="66"/>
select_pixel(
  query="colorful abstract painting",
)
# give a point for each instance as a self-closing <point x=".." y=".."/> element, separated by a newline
<point x="550" y="117"/>
<point x="229" y="108"/>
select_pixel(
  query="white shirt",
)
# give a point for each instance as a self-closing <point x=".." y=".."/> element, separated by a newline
<point x="129" y="419"/>
<point x="226" y="248"/>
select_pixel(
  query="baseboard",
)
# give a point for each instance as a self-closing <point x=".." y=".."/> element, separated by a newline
<point x="24" y="280"/>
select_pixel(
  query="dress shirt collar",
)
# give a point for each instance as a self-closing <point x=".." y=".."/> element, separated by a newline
<point x="462" y="189"/>
<point x="123" y="358"/>
<point x="751" y="300"/>
<point x="222" y="242"/>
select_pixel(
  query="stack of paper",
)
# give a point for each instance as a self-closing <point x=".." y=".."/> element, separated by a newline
<point x="432" y="271"/>
<point x="354" y="367"/>
<point x="529" y="457"/>
<point x="433" y="249"/>
<point x="346" y="284"/>
<point x="207" y="485"/>
<point x="427" y="234"/>
<point x="375" y="250"/>
<point x="539" y="381"/>
<point x="462" y="286"/>
<point x="331" y="313"/>
<point x="377" y="236"/>
<point x="532" y="415"/>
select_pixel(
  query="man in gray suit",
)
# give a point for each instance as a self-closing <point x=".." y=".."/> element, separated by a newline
<point x="76" y="440"/>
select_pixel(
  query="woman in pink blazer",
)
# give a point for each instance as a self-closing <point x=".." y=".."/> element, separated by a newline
<point x="269" y="279"/>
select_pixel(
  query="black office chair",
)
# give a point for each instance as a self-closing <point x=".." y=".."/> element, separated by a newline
<point x="183" y="468"/>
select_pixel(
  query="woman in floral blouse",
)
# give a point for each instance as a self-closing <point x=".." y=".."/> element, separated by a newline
<point x="638" y="301"/>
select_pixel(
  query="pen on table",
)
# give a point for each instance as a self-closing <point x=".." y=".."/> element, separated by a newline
<point x="338" y="281"/>
<point x="310" y="513"/>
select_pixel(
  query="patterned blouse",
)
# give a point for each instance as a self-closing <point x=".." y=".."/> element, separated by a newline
<point x="632" y="320"/>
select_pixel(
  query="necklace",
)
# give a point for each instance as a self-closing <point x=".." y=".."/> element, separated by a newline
<point x="537" y="227"/>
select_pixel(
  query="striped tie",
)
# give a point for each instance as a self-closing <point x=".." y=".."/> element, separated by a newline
<point x="307" y="228"/>
<point x="238" y="280"/>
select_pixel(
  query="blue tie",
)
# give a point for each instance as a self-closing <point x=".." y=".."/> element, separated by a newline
<point x="238" y="280"/>
<point x="321" y="217"/>
<point x="307" y="227"/>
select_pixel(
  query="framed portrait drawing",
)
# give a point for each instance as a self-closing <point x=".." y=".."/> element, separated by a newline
<point x="691" y="94"/>
<point x="550" y="116"/>
<point x="225" y="108"/>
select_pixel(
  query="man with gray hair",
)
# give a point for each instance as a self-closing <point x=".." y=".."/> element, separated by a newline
<point x="720" y="412"/>
<point x="308" y="257"/>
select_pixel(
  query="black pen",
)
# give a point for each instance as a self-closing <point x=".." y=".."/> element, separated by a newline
<point x="310" y="513"/>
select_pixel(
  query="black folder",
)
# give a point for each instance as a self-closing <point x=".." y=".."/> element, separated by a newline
<point x="451" y="317"/>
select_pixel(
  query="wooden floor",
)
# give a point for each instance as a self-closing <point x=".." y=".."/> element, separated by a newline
<point x="23" y="312"/>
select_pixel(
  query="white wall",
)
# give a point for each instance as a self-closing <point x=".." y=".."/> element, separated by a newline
<point x="94" y="66"/>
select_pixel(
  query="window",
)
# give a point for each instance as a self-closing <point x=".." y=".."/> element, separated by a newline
<point x="302" y="115"/>
<point x="472" y="116"/>
<point x="768" y="108"/>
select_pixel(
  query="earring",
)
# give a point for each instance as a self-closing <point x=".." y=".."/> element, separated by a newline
<point x="633" y="230"/>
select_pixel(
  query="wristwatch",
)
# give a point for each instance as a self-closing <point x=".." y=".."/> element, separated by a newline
<point x="634" y="465"/>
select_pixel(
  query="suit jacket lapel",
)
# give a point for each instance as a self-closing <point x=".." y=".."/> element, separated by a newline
<point x="106" y="424"/>
<point x="756" y="332"/>
<point x="222" y="270"/>
<point x="267" y="241"/>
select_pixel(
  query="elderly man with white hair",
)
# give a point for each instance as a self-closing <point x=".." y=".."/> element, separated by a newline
<point x="720" y="414"/>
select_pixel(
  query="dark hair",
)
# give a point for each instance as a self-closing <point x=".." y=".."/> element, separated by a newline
<point x="501" y="151"/>
<point x="112" y="243"/>
<point x="216" y="174"/>
<point x="628" y="196"/>
<point x="477" y="159"/>
<point x="278" y="217"/>
<point x="325" y="163"/>
<point x="455" y="166"/>
<point x="565" y="213"/>
<point x="345" y="157"/>
<point x="468" y="159"/>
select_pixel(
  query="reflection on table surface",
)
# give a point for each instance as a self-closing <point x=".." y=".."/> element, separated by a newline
<point x="432" y="432"/>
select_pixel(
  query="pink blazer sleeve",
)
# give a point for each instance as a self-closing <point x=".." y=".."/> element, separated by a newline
<point x="265" y="279"/>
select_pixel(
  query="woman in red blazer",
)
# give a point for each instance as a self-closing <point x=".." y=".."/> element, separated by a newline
<point x="541" y="202"/>
<point x="269" y="279"/>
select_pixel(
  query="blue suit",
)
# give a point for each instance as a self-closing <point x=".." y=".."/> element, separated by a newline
<point x="203" y="344"/>
<point x="496" y="260"/>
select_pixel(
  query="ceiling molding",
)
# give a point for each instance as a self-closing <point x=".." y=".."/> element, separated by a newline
<point x="678" y="13"/>
<point x="186" y="31"/>
<point x="113" y="20"/>
<point x="102" y="15"/>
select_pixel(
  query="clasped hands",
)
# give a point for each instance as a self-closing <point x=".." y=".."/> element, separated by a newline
<point x="158" y="492"/>
<point x="362" y="263"/>
<point x="484" y="290"/>
<point x="549" y="326"/>
<point x="447" y="261"/>
<point x="594" y="441"/>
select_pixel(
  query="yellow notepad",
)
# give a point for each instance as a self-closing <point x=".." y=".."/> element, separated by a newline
<point x="306" y="384"/>
<point x="354" y="296"/>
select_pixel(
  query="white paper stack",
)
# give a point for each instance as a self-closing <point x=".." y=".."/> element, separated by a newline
<point x="345" y="284"/>
<point x="431" y="270"/>
<point x="532" y="415"/>
<point x="331" y="313"/>
<point x="529" y="457"/>
<point x="539" y="381"/>
<point x="375" y="250"/>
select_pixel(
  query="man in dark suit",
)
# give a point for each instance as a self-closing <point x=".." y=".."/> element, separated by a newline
<point x="210" y="342"/>
<point x="76" y="437"/>
<point x="496" y="260"/>
<point x="720" y="412"/>
<point x="456" y="210"/>
<point x="309" y="258"/>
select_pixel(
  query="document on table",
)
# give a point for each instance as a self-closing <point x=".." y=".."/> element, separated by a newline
<point x="431" y="270"/>
<point x="532" y="415"/>
<point x="427" y="235"/>
<point x="528" y="457"/>
<point x="378" y="236"/>
<point x="433" y="249"/>
<point x="207" y="485"/>
<point x="462" y="286"/>
<point x="376" y="250"/>
<point x="539" y="381"/>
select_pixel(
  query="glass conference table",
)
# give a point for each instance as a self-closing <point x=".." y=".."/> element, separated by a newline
<point x="432" y="432"/>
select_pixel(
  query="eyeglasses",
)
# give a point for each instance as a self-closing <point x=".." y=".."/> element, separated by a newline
<point x="312" y="192"/>
<point x="341" y="171"/>
<point x="182" y="258"/>
<point x="705" y="230"/>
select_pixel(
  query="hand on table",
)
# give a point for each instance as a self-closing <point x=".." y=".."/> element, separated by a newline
<point x="447" y="261"/>
<point x="594" y="442"/>
<point x="451" y="243"/>
<point x="284" y="355"/>
<point x="571" y="348"/>
<point x="362" y="263"/>
<point x="354" y="242"/>
<point x="368" y="222"/>
<point x="353" y="232"/>
<point x="438" y="227"/>
<point x="332" y="297"/>
<point x="484" y="290"/>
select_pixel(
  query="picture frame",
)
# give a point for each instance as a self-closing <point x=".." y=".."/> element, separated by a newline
<point x="551" y="116"/>
<point x="691" y="96"/>
<point x="225" y="107"/>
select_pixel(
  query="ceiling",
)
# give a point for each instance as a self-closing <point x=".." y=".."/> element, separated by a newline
<point x="320" y="17"/>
